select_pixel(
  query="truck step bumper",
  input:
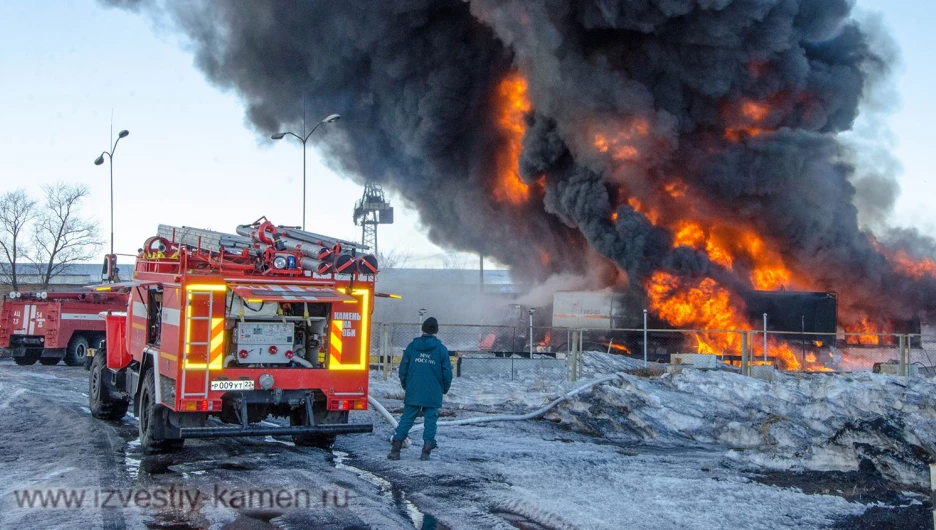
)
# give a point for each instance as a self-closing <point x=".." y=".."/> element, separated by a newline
<point x="215" y="432"/>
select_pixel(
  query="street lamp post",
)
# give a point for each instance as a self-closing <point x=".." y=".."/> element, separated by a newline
<point x="279" y="136"/>
<point x="100" y="160"/>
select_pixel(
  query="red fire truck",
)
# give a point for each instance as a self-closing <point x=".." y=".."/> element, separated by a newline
<point x="223" y="330"/>
<point x="49" y="326"/>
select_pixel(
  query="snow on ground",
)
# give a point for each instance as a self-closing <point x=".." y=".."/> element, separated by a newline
<point x="665" y="451"/>
<point x="807" y="421"/>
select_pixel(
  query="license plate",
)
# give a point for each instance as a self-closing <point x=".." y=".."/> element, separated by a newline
<point x="232" y="385"/>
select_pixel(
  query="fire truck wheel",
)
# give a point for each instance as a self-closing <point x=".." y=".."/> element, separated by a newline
<point x="322" y="417"/>
<point x="101" y="398"/>
<point x="49" y="361"/>
<point x="153" y="421"/>
<point x="30" y="356"/>
<point x="76" y="351"/>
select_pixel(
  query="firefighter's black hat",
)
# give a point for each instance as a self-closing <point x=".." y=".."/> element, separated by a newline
<point x="430" y="326"/>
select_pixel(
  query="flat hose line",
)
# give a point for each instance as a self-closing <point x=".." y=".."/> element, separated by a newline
<point x="498" y="417"/>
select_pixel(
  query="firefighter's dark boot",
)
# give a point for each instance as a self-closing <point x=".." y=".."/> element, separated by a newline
<point x="395" y="450"/>
<point x="427" y="448"/>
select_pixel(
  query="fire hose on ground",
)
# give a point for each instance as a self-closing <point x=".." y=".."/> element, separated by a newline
<point x="497" y="417"/>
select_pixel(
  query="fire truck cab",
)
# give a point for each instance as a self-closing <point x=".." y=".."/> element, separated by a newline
<point x="222" y="331"/>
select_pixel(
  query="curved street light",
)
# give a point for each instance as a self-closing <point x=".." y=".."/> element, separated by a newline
<point x="100" y="160"/>
<point x="280" y="135"/>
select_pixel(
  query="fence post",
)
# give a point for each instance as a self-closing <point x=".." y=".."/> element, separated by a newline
<point x="384" y="351"/>
<point x="581" y="351"/>
<point x="581" y="347"/>
<point x="645" y="337"/>
<point x="933" y="490"/>
<point x="901" y="342"/>
<point x="905" y="370"/>
<point x="745" y="361"/>
<point x="765" y="340"/>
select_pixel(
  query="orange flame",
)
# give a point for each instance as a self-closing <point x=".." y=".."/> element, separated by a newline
<point x="620" y="144"/>
<point x="755" y="111"/>
<point x="916" y="269"/>
<point x="736" y="135"/>
<point x="867" y="333"/>
<point x="514" y="105"/>
<point x="652" y="215"/>
<point x="691" y="234"/>
<point x="544" y="257"/>
<point x="707" y="306"/>
<point x="676" y="189"/>
<point x="750" y="119"/>
<point x="617" y="347"/>
<point x="546" y="339"/>
<point x="769" y="271"/>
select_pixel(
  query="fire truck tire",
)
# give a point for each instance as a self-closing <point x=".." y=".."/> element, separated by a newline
<point x="322" y="417"/>
<point x="49" y="361"/>
<point x="30" y="356"/>
<point x="101" y="400"/>
<point x="76" y="350"/>
<point x="153" y="421"/>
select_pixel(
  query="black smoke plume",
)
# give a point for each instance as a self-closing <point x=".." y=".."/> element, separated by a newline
<point x="738" y="102"/>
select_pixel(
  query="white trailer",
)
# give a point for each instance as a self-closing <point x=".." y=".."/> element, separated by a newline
<point x="588" y="309"/>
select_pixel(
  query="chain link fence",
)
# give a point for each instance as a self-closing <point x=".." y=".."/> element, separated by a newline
<point x="518" y="352"/>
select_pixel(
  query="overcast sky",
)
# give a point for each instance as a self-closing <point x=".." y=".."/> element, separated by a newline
<point x="191" y="160"/>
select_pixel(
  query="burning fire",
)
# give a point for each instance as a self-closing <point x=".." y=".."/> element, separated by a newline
<point x="513" y="105"/>
<point x="707" y="306"/>
<point x="755" y="111"/>
<point x="916" y="269"/>
<point x="769" y="271"/>
<point x="867" y="333"/>
<point x="730" y="243"/>
<point x="691" y="234"/>
<point x="749" y="118"/>
<point x="616" y="347"/>
<point x="546" y="339"/>
<point x="620" y="145"/>
<point x="544" y="257"/>
<point x="675" y="189"/>
<point x="652" y="215"/>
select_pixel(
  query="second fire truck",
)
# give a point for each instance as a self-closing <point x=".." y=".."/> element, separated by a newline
<point x="50" y="326"/>
<point x="223" y="330"/>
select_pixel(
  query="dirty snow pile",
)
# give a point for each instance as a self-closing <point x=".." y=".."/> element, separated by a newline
<point x="819" y="422"/>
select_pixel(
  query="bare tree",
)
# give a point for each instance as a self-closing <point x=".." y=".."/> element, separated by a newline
<point x="61" y="236"/>
<point x="395" y="259"/>
<point x="16" y="211"/>
<point x="454" y="260"/>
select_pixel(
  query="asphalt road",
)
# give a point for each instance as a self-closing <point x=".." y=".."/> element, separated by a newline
<point x="53" y="450"/>
<point x="529" y="475"/>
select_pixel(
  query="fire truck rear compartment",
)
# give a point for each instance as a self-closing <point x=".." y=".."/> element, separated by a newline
<point x="270" y="333"/>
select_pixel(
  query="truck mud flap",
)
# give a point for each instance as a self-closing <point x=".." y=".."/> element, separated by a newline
<point x="212" y="432"/>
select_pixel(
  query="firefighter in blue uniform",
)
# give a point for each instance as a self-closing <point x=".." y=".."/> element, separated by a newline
<point x="426" y="374"/>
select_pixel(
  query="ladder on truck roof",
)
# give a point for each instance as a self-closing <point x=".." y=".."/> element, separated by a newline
<point x="205" y="239"/>
<point x="215" y="241"/>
